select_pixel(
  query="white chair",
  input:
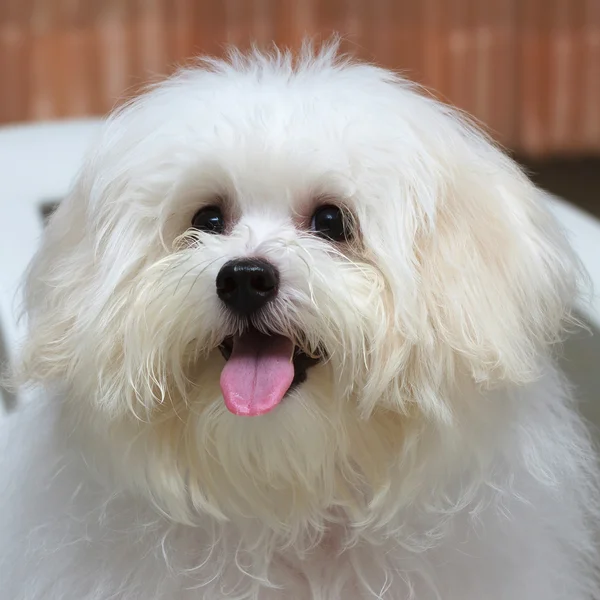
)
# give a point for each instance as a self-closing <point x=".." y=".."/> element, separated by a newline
<point x="37" y="165"/>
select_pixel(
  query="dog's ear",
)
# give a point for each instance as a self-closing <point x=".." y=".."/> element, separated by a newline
<point x="497" y="276"/>
<point x="53" y="293"/>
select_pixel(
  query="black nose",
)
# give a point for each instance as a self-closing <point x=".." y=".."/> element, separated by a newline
<point x="247" y="285"/>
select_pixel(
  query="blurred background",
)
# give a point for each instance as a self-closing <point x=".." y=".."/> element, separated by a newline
<point x="529" y="70"/>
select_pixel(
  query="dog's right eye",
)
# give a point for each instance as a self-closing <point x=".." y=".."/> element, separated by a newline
<point x="330" y="223"/>
<point x="209" y="219"/>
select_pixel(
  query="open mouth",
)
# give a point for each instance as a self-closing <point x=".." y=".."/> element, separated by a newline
<point x="260" y="370"/>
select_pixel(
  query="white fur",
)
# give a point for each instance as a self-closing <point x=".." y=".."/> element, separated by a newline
<point x="435" y="455"/>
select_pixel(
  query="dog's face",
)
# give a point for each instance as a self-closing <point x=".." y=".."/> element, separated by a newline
<point x="275" y="293"/>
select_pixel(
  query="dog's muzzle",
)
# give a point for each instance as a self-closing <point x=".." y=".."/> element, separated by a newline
<point x="261" y="368"/>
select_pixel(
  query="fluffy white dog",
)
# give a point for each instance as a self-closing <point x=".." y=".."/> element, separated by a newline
<point x="296" y="320"/>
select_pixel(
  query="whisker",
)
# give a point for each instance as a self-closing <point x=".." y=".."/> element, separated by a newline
<point x="212" y="262"/>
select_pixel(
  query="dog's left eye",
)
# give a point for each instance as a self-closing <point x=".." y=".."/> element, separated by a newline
<point x="330" y="223"/>
<point x="209" y="219"/>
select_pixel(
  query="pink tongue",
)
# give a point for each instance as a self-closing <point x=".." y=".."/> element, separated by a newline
<point x="258" y="373"/>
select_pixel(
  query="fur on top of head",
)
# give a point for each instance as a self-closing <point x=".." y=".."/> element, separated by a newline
<point x="452" y="283"/>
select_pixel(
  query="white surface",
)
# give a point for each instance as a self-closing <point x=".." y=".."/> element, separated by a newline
<point x="584" y="233"/>
<point x="37" y="165"/>
<point x="39" y="162"/>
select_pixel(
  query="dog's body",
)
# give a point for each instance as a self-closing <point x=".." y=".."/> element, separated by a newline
<point x="417" y="442"/>
<point x="515" y="538"/>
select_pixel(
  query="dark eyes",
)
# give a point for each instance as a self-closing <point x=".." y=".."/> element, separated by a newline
<point x="328" y="222"/>
<point x="209" y="219"/>
<point x="331" y="223"/>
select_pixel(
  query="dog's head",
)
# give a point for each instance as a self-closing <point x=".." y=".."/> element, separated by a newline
<point x="278" y="282"/>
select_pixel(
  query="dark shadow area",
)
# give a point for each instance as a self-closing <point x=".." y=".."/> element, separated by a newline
<point x="580" y="359"/>
<point x="48" y="207"/>
<point x="7" y="398"/>
<point x="576" y="180"/>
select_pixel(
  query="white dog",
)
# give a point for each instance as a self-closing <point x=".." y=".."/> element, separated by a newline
<point x="296" y="321"/>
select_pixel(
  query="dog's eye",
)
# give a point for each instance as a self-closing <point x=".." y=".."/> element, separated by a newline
<point x="330" y="223"/>
<point x="209" y="219"/>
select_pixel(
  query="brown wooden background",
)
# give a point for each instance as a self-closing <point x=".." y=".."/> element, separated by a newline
<point x="528" y="69"/>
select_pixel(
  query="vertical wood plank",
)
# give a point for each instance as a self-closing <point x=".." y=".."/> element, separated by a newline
<point x="494" y="78"/>
<point x="15" y="50"/>
<point x="210" y="27"/>
<point x="460" y="59"/>
<point x="591" y="77"/>
<point x="44" y="71"/>
<point x="261" y="22"/>
<point x="112" y="53"/>
<point x="179" y="19"/>
<point x="533" y="76"/>
<point x="432" y="45"/>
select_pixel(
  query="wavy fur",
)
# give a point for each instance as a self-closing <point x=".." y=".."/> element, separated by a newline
<point x="435" y="455"/>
